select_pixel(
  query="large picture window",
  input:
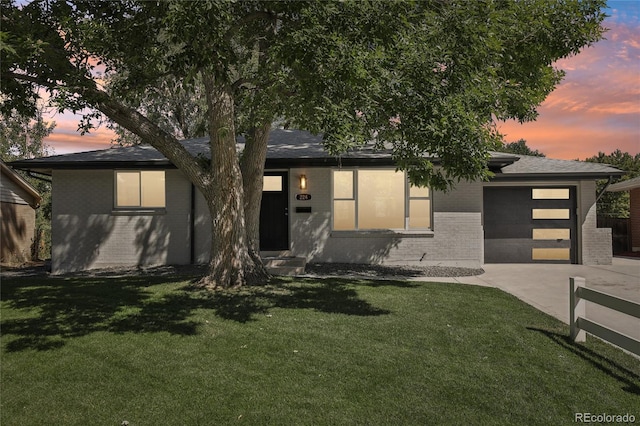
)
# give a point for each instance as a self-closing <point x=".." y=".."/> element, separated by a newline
<point x="143" y="189"/>
<point x="378" y="199"/>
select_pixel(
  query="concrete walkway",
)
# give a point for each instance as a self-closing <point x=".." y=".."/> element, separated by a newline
<point x="546" y="287"/>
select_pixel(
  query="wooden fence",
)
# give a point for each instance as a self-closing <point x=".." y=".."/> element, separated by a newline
<point x="579" y="325"/>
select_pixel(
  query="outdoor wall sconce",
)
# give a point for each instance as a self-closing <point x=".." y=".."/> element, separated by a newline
<point x="303" y="182"/>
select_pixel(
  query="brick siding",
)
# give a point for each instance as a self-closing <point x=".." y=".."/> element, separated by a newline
<point x="597" y="247"/>
<point x="88" y="233"/>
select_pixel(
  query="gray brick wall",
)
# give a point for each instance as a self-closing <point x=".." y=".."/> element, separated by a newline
<point x="597" y="248"/>
<point x="88" y="233"/>
<point x="457" y="237"/>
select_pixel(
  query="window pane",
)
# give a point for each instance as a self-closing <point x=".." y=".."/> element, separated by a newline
<point x="153" y="194"/>
<point x="550" y="254"/>
<point x="380" y="199"/>
<point x="551" y="234"/>
<point x="343" y="184"/>
<point x="128" y="189"/>
<point x="550" y="213"/>
<point x="419" y="214"/>
<point x="344" y="215"/>
<point x="550" y="194"/>
<point x="272" y="183"/>
<point x="415" y="191"/>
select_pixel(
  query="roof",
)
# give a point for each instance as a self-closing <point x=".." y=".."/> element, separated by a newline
<point x="8" y="173"/>
<point x="528" y="166"/>
<point x="625" y="185"/>
<point x="296" y="148"/>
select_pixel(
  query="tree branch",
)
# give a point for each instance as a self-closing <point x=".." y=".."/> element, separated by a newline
<point x="253" y="16"/>
<point x="131" y="120"/>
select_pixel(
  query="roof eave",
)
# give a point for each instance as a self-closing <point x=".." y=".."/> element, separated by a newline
<point x="47" y="166"/>
<point x="555" y="176"/>
<point x="35" y="195"/>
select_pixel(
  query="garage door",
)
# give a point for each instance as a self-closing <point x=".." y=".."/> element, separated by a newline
<point x="530" y="225"/>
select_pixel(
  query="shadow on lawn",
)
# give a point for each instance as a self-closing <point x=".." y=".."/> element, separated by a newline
<point x="630" y="379"/>
<point x="55" y="310"/>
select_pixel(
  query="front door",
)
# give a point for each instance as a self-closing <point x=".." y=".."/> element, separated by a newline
<point x="274" y="212"/>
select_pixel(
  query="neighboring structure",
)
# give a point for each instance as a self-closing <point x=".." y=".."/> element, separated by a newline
<point x="633" y="186"/>
<point x="18" y="201"/>
<point x="131" y="206"/>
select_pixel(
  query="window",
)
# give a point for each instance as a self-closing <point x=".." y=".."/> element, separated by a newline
<point x="140" y="189"/>
<point x="378" y="199"/>
<point x="272" y="184"/>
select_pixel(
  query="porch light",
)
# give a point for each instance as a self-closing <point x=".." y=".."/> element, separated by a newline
<point x="303" y="182"/>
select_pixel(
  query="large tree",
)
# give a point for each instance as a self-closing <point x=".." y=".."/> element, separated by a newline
<point x="519" y="147"/>
<point x="616" y="204"/>
<point x="427" y="78"/>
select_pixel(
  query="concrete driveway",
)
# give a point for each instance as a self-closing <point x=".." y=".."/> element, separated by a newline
<point x="546" y="287"/>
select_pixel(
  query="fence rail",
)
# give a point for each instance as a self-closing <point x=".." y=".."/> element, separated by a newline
<point x="579" y="325"/>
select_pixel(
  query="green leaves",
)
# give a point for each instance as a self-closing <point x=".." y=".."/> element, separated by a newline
<point x="426" y="78"/>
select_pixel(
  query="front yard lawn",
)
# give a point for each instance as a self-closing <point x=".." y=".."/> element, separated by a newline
<point x="154" y="351"/>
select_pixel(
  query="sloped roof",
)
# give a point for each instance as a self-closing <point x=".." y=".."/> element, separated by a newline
<point x="528" y="166"/>
<point x="625" y="185"/>
<point x="300" y="148"/>
<point x="30" y="191"/>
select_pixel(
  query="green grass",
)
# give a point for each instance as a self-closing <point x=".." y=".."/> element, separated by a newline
<point x="154" y="351"/>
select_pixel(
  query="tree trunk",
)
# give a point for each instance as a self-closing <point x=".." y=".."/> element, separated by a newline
<point x="252" y="167"/>
<point x="231" y="263"/>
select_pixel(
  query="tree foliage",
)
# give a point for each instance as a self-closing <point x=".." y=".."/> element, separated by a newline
<point x="616" y="204"/>
<point x="519" y="147"/>
<point x="427" y="78"/>
<point x="177" y="109"/>
<point x="23" y="136"/>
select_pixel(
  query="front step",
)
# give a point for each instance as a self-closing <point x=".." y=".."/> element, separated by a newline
<point x="290" y="266"/>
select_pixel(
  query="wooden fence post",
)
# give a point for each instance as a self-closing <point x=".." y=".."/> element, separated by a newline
<point x="576" y="309"/>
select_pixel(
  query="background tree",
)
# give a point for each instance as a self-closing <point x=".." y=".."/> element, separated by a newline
<point x="22" y="137"/>
<point x="616" y="204"/>
<point x="519" y="147"/>
<point x="424" y="77"/>
<point x="176" y="109"/>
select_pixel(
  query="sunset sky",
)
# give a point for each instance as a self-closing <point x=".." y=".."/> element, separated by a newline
<point x="596" y="108"/>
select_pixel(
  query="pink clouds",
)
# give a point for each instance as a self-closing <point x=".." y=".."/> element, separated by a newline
<point x="597" y="106"/>
<point x="66" y="138"/>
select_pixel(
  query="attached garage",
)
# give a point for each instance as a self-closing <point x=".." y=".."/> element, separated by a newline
<point x="530" y="224"/>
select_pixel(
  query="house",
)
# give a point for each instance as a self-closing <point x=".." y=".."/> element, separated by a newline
<point x="131" y="206"/>
<point x="633" y="186"/>
<point x="18" y="201"/>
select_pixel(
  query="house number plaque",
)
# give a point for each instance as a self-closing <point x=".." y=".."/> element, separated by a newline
<point x="303" y="197"/>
